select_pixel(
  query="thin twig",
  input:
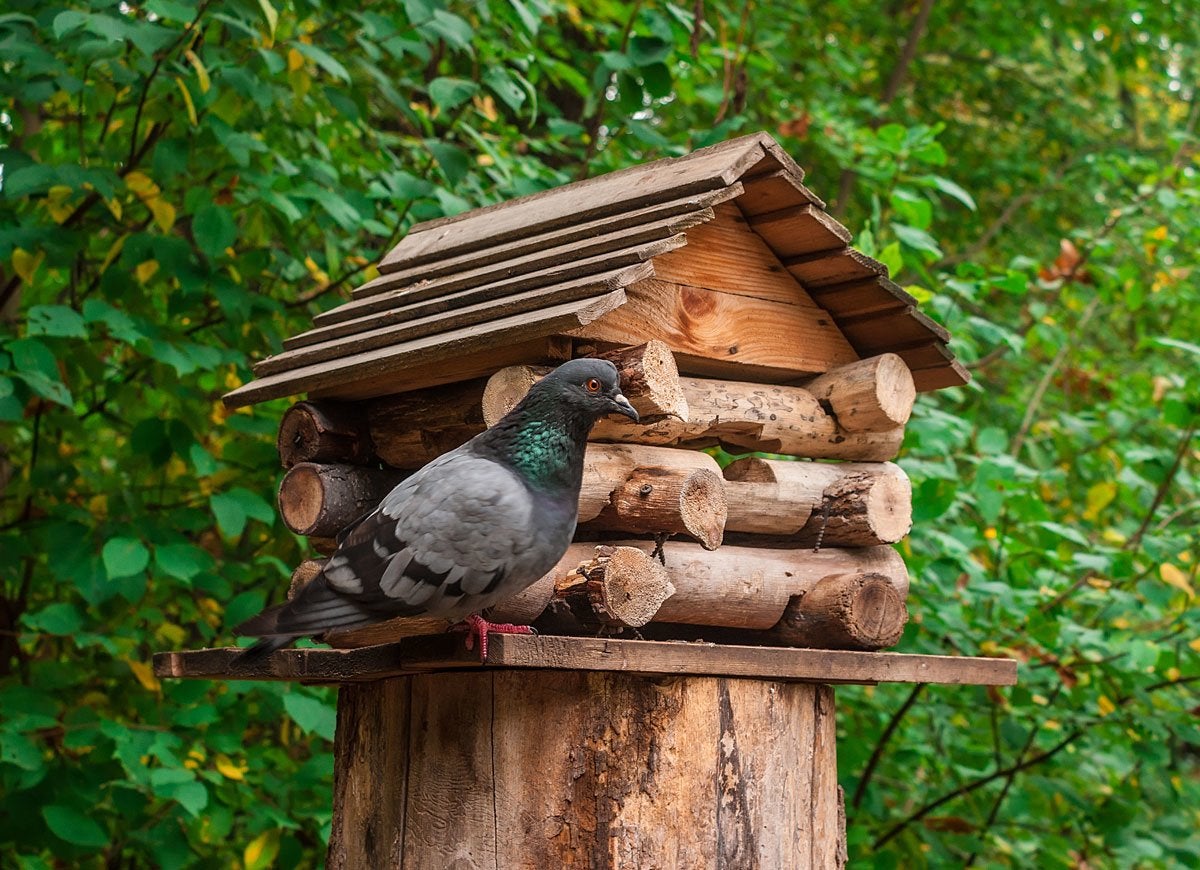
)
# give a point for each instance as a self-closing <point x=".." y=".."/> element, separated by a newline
<point x="877" y="753"/>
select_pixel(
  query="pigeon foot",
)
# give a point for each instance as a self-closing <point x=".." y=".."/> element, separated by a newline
<point x="476" y="626"/>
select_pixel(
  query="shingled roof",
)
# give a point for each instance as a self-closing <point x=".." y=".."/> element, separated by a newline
<point x="547" y="263"/>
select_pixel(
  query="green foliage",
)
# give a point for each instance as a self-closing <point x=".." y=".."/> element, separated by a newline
<point x="185" y="183"/>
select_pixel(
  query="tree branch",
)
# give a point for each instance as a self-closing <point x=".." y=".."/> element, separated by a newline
<point x="895" y="82"/>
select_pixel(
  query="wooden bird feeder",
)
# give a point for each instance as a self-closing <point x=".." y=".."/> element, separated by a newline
<point x="671" y="713"/>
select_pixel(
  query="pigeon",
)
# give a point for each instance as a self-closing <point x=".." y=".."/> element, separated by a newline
<point x="470" y="529"/>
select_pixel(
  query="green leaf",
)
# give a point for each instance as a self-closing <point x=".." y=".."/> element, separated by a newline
<point x="60" y="618"/>
<point x="322" y="59"/>
<point x="1178" y="345"/>
<point x="192" y="796"/>
<point x="183" y="561"/>
<point x="229" y="514"/>
<point x="891" y="257"/>
<point x="124" y="557"/>
<point x="214" y="230"/>
<point x="503" y="86"/>
<point x="270" y="15"/>
<point x="57" y="320"/>
<point x="65" y="22"/>
<point x="448" y="93"/>
<point x="917" y="238"/>
<point x="74" y="827"/>
<point x="946" y="186"/>
<point x="31" y="356"/>
<point x="452" y="160"/>
<point x="311" y="714"/>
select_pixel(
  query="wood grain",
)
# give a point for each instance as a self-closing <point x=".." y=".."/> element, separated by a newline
<point x="592" y="249"/>
<point x="429" y="654"/>
<point x="629" y="221"/>
<point x="833" y="267"/>
<point x="727" y="255"/>
<point x="701" y="325"/>
<point x="708" y="169"/>
<point x="364" y="374"/>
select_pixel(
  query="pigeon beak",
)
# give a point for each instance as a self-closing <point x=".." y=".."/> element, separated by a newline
<point x="622" y="406"/>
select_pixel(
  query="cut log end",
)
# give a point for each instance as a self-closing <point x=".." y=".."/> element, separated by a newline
<point x="845" y="611"/>
<point x="321" y="500"/>
<point x="323" y="432"/>
<point x="621" y="587"/>
<point x="687" y="501"/>
<point x="650" y="380"/>
<point x="871" y="395"/>
<point x="301" y="498"/>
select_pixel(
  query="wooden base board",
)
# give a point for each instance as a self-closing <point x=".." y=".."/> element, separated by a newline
<point x="419" y="655"/>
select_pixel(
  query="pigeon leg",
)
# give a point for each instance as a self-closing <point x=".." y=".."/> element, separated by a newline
<point x="477" y="627"/>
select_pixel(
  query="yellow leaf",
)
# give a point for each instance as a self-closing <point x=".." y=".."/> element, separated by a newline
<point x="1106" y="706"/>
<point x="1099" y="497"/>
<point x="270" y="14"/>
<point x="114" y="206"/>
<point x="140" y="182"/>
<point x="1172" y="576"/>
<point x="25" y="263"/>
<point x="163" y="211"/>
<point x="145" y="270"/>
<point x="261" y="852"/>
<point x="1194" y="645"/>
<point x="201" y="72"/>
<point x="113" y="253"/>
<point x="295" y="60"/>
<point x="187" y="99"/>
<point x="1159" y="233"/>
<point x="58" y="202"/>
<point x="230" y="770"/>
<point x="171" y="634"/>
<point x="144" y="675"/>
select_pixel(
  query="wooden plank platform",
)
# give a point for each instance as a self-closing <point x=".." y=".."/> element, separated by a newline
<point x="422" y="655"/>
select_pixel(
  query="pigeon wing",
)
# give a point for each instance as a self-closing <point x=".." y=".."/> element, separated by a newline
<point x="456" y="529"/>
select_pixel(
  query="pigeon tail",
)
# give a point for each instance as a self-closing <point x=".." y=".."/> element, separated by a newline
<point x="260" y="652"/>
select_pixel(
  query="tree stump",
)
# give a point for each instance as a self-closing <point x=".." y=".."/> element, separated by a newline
<point x="528" y="769"/>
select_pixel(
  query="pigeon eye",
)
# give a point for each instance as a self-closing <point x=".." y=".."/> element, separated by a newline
<point x="592" y="385"/>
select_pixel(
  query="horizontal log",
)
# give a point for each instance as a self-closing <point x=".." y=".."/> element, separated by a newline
<point x="629" y="488"/>
<point x="871" y="395"/>
<point x="648" y="377"/>
<point x="324" y="432"/>
<point x="743" y="417"/>
<point x="845" y="611"/>
<point x="322" y="500"/>
<point x="742" y="587"/>
<point x="619" y="586"/>
<point x="843" y="504"/>
<point x="409" y="429"/>
<point x="640" y="489"/>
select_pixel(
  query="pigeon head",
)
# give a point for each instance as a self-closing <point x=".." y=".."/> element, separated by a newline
<point x="590" y="386"/>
